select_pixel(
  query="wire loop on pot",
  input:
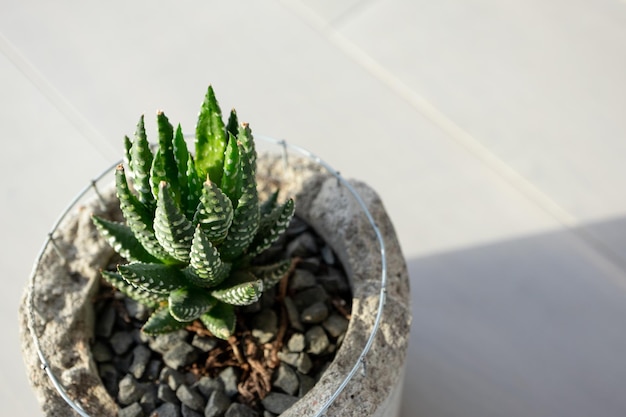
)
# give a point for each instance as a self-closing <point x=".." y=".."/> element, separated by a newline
<point x="341" y="181"/>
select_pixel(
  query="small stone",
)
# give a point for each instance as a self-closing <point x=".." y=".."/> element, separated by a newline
<point x="310" y="296"/>
<point x="311" y="264"/>
<point x="109" y="375"/>
<point x="277" y="403"/>
<point x="336" y="325"/>
<point x="268" y="414"/>
<point x="315" y="313"/>
<point x="130" y="390"/>
<point x="207" y="385"/>
<point x="121" y="341"/>
<point x="171" y="377"/>
<point x="334" y="281"/>
<point x="317" y="340"/>
<point x="153" y="370"/>
<point x="265" y="326"/>
<point x="179" y="355"/>
<point x="101" y="352"/>
<point x="328" y="255"/>
<point x="217" y="404"/>
<point x="302" y="246"/>
<point x="166" y="394"/>
<point x="190" y="412"/>
<point x="105" y="322"/>
<point x="286" y="379"/>
<point x="240" y="410"/>
<point x="301" y="280"/>
<point x="230" y="379"/>
<point x="141" y="357"/>
<point x="290" y="358"/>
<point x="133" y="410"/>
<point x="292" y="314"/>
<point x="303" y="363"/>
<point x="164" y="342"/>
<point x="149" y="399"/>
<point x="167" y="410"/>
<point x="122" y="362"/>
<point x="306" y="384"/>
<point x="296" y="227"/>
<point x="136" y="310"/>
<point x="205" y="344"/>
<point x="190" y="397"/>
<point x="296" y="343"/>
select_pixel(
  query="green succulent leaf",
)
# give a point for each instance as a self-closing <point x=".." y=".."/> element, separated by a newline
<point x="127" y="146"/>
<point x="172" y="229"/>
<point x="211" y="139"/>
<point x="208" y="268"/>
<point x="122" y="240"/>
<point x="214" y="213"/>
<point x="181" y="156"/>
<point x="268" y="205"/>
<point x="272" y="226"/>
<point x="154" y="278"/>
<point x="138" y="218"/>
<point x="188" y="304"/>
<point x="149" y="299"/>
<point x="271" y="274"/>
<point x="244" y="135"/>
<point x="220" y="320"/>
<point x="232" y="126"/>
<point x="140" y="161"/>
<point x="240" y="294"/>
<point x="231" y="176"/>
<point x="161" y="321"/>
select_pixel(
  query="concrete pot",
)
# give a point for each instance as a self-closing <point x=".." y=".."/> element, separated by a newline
<point x="355" y="384"/>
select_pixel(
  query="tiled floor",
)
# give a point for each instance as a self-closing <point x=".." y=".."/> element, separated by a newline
<point x="495" y="132"/>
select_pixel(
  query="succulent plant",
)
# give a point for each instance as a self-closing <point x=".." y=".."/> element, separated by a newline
<point x="194" y="224"/>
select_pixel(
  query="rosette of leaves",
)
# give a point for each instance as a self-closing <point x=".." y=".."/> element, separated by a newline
<point x="194" y="224"/>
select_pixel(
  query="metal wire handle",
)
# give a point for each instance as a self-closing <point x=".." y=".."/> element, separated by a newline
<point x="361" y="361"/>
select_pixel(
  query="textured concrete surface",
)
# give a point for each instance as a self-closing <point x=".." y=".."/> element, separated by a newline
<point x="493" y="131"/>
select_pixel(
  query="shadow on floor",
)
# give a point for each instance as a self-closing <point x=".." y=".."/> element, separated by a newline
<point x="534" y="326"/>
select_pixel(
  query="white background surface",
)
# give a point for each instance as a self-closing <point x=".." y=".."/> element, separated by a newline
<point x="495" y="132"/>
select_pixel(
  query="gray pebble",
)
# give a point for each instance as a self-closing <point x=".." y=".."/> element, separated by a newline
<point x="286" y="379"/>
<point x="190" y="397"/>
<point x="306" y="384"/>
<point x="265" y="326"/>
<point x="336" y="325"/>
<point x="207" y="385"/>
<point x="101" y="352"/>
<point x="240" y="410"/>
<point x="301" y="280"/>
<point x="327" y="255"/>
<point x="105" y="322"/>
<point x="163" y="342"/>
<point x="290" y="358"/>
<point x="277" y="403"/>
<point x="315" y="313"/>
<point x="153" y="370"/>
<point x="296" y="227"/>
<point x="190" y="412"/>
<point x="334" y="281"/>
<point x="133" y="410"/>
<point x="230" y="379"/>
<point x="109" y="375"/>
<point x="141" y="357"/>
<point x="130" y="390"/>
<point x="310" y="296"/>
<point x="121" y="341"/>
<point x="179" y="355"/>
<point x="296" y="343"/>
<point x="303" y="245"/>
<point x="136" y="310"/>
<point x="149" y="399"/>
<point x="268" y="414"/>
<point x="217" y="404"/>
<point x="205" y="344"/>
<point x="293" y="315"/>
<point x="166" y="394"/>
<point x="167" y="410"/>
<point x="171" y="377"/>
<point x="304" y="364"/>
<point x="317" y="340"/>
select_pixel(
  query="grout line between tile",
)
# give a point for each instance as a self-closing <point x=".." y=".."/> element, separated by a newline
<point x="39" y="81"/>
<point x="463" y="138"/>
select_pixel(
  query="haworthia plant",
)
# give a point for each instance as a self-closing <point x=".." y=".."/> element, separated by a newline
<point x="194" y="224"/>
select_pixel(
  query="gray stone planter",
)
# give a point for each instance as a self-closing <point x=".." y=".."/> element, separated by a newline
<point x="63" y="318"/>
